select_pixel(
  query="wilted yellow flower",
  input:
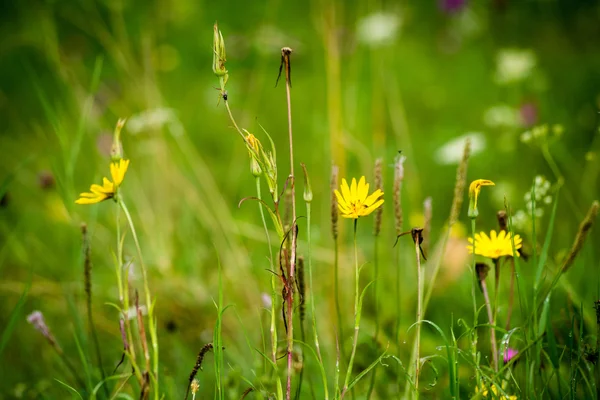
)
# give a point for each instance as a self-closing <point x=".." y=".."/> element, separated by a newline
<point x="496" y="245"/>
<point x="254" y="150"/>
<point x="495" y="393"/>
<point x="354" y="201"/>
<point x="108" y="189"/>
<point x="474" y="190"/>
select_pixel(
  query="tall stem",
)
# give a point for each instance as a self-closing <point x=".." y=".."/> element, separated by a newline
<point x="419" y="317"/>
<point x="291" y="279"/>
<point x="273" y="328"/>
<point x="399" y="316"/>
<point x="511" y="295"/>
<point x="376" y="300"/>
<point x="311" y="296"/>
<point x="149" y="305"/>
<point x="237" y="128"/>
<point x="124" y="298"/>
<point x="474" y="332"/>
<point x="336" y="291"/>
<point x="488" y="306"/>
<point x="356" y="313"/>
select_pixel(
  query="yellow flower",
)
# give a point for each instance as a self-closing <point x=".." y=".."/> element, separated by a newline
<point x="474" y="190"/>
<point x="354" y="201"/>
<point x="108" y="189"/>
<point x="496" y="245"/>
<point x="495" y="393"/>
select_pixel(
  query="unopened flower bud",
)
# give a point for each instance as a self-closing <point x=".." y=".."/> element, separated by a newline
<point x="219" y="57"/>
<point x="116" y="150"/>
<point x="308" y="194"/>
<point x="254" y="149"/>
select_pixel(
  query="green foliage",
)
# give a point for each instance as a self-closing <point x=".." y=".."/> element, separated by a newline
<point x="518" y="78"/>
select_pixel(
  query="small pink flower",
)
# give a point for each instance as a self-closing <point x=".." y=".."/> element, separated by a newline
<point x="509" y="354"/>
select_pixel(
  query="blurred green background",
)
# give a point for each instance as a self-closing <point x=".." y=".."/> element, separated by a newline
<point x="368" y="80"/>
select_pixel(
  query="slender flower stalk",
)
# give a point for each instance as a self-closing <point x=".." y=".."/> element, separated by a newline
<point x="474" y="331"/>
<point x="273" y="328"/>
<point x="378" y="179"/>
<point x="482" y="270"/>
<point x="398" y="225"/>
<point x="149" y="304"/>
<point x="334" y="232"/>
<point x="308" y="197"/>
<point x="474" y="189"/>
<point x="87" y="267"/>
<point x="419" y="313"/>
<point x="376" y="231"/>
<point x="285" y="59"/>
<point x="356" y="313"/>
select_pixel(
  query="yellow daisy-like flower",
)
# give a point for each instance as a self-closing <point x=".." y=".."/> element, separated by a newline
<point x="108" y="189"/>
<point x="354" y="201"/>
<point x="474" y="190"/>
<point x="496" y="245"/>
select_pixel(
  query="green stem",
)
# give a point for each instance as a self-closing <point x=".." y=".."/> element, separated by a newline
<point x="312" y="294"/>
<point x="398" y="318"/>
<point x="273" y="277"/>
<point x="292" y="272"/>
<point x="419" y="316"/>
<point x="149" y="305"/>
<point x="356" y="313"/>
<point x="376" y="300"/>
<point x="511" y="295"/>
<point x="336" y="290"/>
<point x="237" y="128"/>
<point x="491" y="321"/>
<point x="474" y="281"/>
<point x="124" y="298"/>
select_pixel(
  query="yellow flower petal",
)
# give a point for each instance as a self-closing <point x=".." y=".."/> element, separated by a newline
<point x="373" y="197"/>
<point x="353" y="189"/>
<point x="363" y="189"/>
<point x="345" y="189"/>
<point x="118" y="170"/>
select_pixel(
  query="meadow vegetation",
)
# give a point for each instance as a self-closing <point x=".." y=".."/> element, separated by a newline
<point x="359" y="203"/>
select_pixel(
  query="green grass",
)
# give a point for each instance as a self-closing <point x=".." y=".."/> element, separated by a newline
<point x="70" y="70"/>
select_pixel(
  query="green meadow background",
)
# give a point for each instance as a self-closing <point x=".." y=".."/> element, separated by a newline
<point x="369" y="79"/>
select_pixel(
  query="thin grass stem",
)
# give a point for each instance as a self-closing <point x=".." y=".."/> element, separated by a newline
<point x="475" y="313"/>
<point x="285" y="53"/>
<point x="356" y="313"/>
<point x="419" y="317"/>
<point x="311" y="296"/>
<point x="149" y="305"/>
<point x="273" y="328"/>
<point x="376" y="300"/>
<point x="491" y="321"/>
